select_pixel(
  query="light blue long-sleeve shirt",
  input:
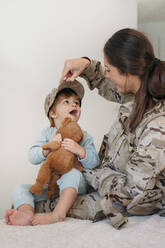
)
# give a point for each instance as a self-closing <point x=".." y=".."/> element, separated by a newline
<point x="35" y="155"/>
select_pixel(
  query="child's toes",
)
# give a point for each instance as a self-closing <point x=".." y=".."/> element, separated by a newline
<point x="35" y="221"/>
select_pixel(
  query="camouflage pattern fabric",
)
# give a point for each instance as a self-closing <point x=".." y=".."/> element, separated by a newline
<point x="131" y="178"/>
<point x="85" y="207"/>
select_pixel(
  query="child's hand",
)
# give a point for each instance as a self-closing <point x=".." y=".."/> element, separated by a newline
<point x="57" y="138"/>
<point x="74" y="147"/>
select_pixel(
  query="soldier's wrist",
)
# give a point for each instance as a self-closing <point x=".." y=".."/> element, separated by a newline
<point x="88" y="61"/>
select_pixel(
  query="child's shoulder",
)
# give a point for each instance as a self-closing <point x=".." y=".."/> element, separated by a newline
<point x="86" y="134"/>
<point x="49" y="130"/>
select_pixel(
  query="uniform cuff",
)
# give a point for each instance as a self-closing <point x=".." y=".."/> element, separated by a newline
<point x="92" y="74"/>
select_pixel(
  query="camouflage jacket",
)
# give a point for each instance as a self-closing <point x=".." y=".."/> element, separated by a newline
<point x="131" y="179"/>
<point x="133" y="172"/>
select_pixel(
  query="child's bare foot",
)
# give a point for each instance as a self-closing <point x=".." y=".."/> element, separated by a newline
<point x="18" y="218"/>
<point x="9" y="212"/>
<point x="44" y="219"/>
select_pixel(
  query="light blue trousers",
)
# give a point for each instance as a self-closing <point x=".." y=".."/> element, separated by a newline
<point x="73" y="178"/>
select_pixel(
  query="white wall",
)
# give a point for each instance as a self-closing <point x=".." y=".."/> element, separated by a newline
<point x="155" y="31"/>
<point x="36" y="37"/>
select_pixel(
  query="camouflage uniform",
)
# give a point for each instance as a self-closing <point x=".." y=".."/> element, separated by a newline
<point x="131" y="180"/>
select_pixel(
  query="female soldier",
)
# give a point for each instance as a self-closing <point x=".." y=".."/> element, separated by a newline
<point x="131" y="180"/>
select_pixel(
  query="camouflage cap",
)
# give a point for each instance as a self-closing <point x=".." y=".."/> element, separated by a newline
<point x="76" y="86"/>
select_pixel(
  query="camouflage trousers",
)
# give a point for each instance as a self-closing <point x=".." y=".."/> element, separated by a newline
<point x="111" y="198"/>
<point x="86" y="207"/>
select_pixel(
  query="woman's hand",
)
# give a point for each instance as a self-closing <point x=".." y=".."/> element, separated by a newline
<point x="74" y="147"/>
<point x="73" y="68"/>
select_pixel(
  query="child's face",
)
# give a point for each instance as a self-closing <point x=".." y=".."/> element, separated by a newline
<point x="66" y="106"/>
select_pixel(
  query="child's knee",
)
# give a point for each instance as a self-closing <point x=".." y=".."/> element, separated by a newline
<point x="19" y="189"/>
<point x="73" y="178"/>
<point x="75" y="175"/>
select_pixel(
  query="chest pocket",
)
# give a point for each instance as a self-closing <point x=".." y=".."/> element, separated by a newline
<point x="122" y="155"/>
<point x="116" y="148"/>
<point x="119" y="151"/>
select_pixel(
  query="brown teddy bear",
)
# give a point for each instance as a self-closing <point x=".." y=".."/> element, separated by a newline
<point x="58" y="161"/>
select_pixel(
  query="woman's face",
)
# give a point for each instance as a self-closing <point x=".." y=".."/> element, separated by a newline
<point x="124" y="83"/>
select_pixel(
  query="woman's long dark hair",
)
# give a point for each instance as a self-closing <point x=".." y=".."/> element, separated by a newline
<point x="131" y="52"/>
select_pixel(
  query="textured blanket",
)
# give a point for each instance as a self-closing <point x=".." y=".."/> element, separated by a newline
<point x="140" y="232"/>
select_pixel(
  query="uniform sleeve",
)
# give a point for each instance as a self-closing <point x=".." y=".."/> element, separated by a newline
<point x="94" y="74"/>
<point x="146" y="168"/>
<point x="91" y="159"/>
<point x="35" y="155"/>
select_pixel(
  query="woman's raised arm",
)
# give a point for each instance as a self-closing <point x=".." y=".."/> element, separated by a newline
<point x="73" y="68"/>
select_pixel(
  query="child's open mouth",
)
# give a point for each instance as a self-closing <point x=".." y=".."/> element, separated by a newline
<point x="73" y="112"/>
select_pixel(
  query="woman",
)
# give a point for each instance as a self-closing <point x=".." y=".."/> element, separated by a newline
<point x="131" y="180"/>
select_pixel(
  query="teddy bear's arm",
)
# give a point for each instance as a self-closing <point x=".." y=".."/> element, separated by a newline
<point x="52" y="145"/>
<point x="77" y="165"/>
